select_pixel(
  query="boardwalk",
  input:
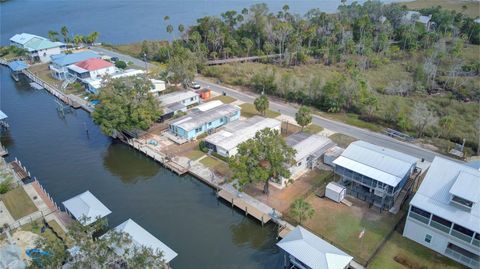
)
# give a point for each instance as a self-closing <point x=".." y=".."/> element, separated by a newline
<point x="242" y="59"/>
<point x="19" y="170"/>
<point x="244" y="206"/>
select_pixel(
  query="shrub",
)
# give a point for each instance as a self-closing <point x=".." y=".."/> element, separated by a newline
<point x="121" y="64"/>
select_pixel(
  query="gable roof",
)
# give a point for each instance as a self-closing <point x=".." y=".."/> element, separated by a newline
<point x="34" y="42"/>
<point x="313" y="251"/>
<point x="68" y="59"/>
<point x="306" y="145"/>
<point x="197" y="118"/>
<point x="435" y="192"/>
<point x="174" y="97"/>
<point x="382" y="164"/>
<point x="141" y="237"/>
<point x="86" y="205"/>
<point x="93" y="64"/>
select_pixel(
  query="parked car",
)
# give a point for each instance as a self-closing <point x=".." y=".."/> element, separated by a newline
<point x="114" y="59"/>
<point x="195" y="85"/>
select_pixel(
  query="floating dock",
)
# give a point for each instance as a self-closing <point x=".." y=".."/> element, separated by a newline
<point x="175" y="167"/>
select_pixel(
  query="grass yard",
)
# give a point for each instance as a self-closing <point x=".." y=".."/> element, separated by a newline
<point x="217" y="165"/>
<point x="471" y="7"/>
<point x="225" y="99"/>
<point x="194" y="154"/>
<point x="56" y="227"/>
<point x="289" y="129"/>
<point x="42" y="71"/>
<point x="342" y="140"/>
<point x="18" y="203"/>
<point x="249" y="110"/>
<point x="414" y="253"/>
<point x="341" y="225"/>
<point x="36" y="228"/>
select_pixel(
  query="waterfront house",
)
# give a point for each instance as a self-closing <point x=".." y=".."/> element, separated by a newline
<point x="39" y="48"/>
<point x="94" y="84"/>
<point x="142" y="238"/>
<point x="374" y="174"/>
<point x="203" y="119"/>
<point x="302" y="249"/>
<point x="86" y="205"/>
<point x="91" y="71"/>
<point x="309" y="151"/>
<point x="177" y="101"/>
<point x="60" y="62"/>
<point x="444" y="214"/>
<point x="226" y="141"/>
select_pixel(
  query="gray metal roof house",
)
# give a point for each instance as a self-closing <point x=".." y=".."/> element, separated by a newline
<point x="444" y="214"/>
<point x="374" y="174"/>
<point x="303" y="249"/>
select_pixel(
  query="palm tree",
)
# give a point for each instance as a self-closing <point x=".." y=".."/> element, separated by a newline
<point x="77" y="39"/>
<point x="53" y="35"/>
<point x="93" y="37"/>
<point x="302" y="210"/>
<point x="64" y="32"/>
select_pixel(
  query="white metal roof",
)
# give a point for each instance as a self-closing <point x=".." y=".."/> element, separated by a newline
<point x="198" y="118"/>
<point x="86" y="205"/>
<point x="141" y="237"/>
<point x="176" y="97"/>
<point x="209" y="105"/>
<point x="3" y="115"/>
<point x="467" y="186"/>
<point x="77" y="69"/>
<point x="230" y="140"/>
<point x="127" y="73"/>
<point x="313" y="251"/>
<point x="434" y="192"/>
<point x="311" y="145"/>
<point x="382" y="164"/>
<point x="335" y="187"/>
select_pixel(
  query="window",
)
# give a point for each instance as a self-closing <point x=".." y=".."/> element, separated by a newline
<point x="462" y="230"/>
<point x="441" y="221"/>
<point x="210" y="124"/>
<point x="462" y="201"/>
<point x="420" y="212"/>
<point x="221" y="120"/>
<point x="198" y="130"/>
<point x="299" y="163"/>
<point x="428" y="238"/>
<point x="191" y="99"/>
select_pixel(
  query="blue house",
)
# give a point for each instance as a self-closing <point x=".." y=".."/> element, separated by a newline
<point x="204" y="118"/>
<point x="60" y="62"/>
<point x="374" y="174"/>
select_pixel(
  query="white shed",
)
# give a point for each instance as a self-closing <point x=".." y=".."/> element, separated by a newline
<point x="335" y="192"/>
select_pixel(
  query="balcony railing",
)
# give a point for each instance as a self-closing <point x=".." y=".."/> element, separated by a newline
<point x="419" y="217"/>
<point x="440" y="226"/>
<point x="461" y="236"/>
<point x="476" y="242"/>
<point x="462" y="258"/>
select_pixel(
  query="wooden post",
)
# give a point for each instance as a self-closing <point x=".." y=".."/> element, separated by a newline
<point x="246" y="210"/>
<point x="232" y="202"/>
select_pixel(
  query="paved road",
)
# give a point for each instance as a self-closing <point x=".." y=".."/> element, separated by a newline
<point x="123" y="57"/>
<point x="290" y="110"/>
<point x="359" y="133"/>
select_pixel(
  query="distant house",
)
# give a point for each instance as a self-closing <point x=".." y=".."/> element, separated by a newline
<point x="304" y="250"/>
<point x="142" y="238"/>
<point x="39" y="48"/>
<point x="374" y="174"/>
<point x="204" y="118"/>
<point x="226" y="141"/>
<point x="444" y="214"/>
<point x="177" y="101"/>
<point x="86" y="205"/>
<point x="416" y="17"/>
<point x="310" y="150"/>
<point x="60" y="62"/>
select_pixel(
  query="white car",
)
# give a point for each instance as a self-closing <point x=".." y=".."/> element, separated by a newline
<point x="195" y="85"/>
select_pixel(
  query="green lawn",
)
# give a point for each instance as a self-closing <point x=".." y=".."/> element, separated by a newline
<point x="194" y="154"/>
<point x="56" y="227"/>
<point x="289" y="129"/>
<point x="225" y="99"/>
<point x="416" y="254"/>
<point x="215" y="164"/>
<point x="18" y="203"/>
<point x="342" y="140"/>
<point x="472" y="7"/>
<point x="342" y="225"/>
<point x="36" y="226"/>
<point x="249" y="110"/>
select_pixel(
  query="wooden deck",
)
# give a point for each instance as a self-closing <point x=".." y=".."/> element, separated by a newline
<point x="19" y="170"/>
<point x="283" y="231"/>
<point x="241" y="204"/>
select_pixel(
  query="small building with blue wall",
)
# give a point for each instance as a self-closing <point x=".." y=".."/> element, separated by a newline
<point x="204" y="118"/>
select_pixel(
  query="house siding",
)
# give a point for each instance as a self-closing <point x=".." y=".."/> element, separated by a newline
<point x="189" y="135"/>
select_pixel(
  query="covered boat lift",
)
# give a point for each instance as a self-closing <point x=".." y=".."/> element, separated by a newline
<point x="17" y="67"/>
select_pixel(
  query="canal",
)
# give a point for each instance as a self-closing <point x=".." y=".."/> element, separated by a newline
<point x="181" y="211"/>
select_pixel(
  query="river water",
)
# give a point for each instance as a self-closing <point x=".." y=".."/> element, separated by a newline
<point x="181" y="211"/>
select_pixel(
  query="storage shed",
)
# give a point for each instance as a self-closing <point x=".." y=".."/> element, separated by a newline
<point x="335" y="192"/>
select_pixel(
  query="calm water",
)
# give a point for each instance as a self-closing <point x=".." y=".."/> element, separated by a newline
<point x="181" y="211"/>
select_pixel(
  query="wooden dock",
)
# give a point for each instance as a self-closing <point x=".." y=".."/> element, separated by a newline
<point x="19" y="170"/>
<point x="175" y="167"/>
<point x="241" y="204"/>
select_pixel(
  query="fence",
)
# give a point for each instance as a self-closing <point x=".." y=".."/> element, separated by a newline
<point x="30" y="218"/>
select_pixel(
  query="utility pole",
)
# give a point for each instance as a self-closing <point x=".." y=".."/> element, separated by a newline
<point x="146" y="64"/>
